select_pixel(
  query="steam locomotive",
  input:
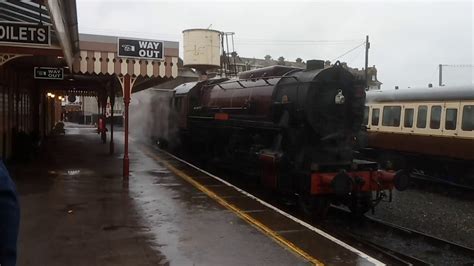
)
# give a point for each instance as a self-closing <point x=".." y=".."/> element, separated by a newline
<point x="294" y="128"/>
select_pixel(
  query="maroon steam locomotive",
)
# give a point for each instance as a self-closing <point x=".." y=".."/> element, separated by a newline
<point x="293" y="128"/>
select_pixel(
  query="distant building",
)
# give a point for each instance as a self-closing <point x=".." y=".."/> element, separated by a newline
<point x="373" y="83"/>
<point x="246" y="63"/>
<point x="238" y="64"/>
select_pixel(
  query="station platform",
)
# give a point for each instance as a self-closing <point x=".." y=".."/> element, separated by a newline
<point x="77" y="210"/>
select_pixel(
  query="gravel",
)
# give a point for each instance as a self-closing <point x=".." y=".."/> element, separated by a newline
<point x="442" y="216"/>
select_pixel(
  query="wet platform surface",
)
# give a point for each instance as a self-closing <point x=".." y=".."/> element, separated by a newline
<point x="320" y="247"/>
<point x="76" y="210"/>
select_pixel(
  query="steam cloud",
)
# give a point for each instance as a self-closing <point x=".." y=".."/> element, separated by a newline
<point x="151" y="118"/>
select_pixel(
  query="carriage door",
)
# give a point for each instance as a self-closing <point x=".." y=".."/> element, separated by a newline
<point x="374" y="118"/>
<point x="408" y="118"/>
<point x="466" y="120"/>
<point x="450" y="119"/>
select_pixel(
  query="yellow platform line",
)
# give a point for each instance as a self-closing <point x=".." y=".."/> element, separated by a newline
<point x="249" y="219"/>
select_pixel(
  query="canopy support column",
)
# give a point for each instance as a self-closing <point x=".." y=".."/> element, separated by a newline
<point x="127" y="84"/>
<point x="112" y="103"/>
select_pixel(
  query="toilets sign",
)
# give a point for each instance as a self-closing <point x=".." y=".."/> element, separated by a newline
<point x="141" y="49"/>
<point x="25" y="34"/>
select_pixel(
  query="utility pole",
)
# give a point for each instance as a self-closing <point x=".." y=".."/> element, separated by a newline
<point x="451" y="66"/>
<point x="367" y="46"/>
<point x="440" y="75"/>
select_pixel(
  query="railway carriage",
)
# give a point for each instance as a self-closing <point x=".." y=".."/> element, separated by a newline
<point x="425" y="130"/>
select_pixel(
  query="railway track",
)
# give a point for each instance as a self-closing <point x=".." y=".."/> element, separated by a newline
<point x="408" y="245"/>
<point x="419" y="176"/>
<point x="428" y="183"/>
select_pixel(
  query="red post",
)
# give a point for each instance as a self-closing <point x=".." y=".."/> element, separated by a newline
<point x="112" y="102"/>
<point x="126" y="101"/>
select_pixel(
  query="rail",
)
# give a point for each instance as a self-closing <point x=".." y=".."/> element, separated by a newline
<point x="398" y="241"/>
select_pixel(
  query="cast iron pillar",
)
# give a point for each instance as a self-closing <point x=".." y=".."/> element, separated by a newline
<point x="127" y="85"/>
<point x="112" y="103"/>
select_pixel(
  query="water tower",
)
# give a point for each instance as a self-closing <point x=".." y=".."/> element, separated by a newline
<point x="202" y="49"/>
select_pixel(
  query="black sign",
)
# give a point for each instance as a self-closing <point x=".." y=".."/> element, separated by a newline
<point x="24" y="33"/>
<point x="49" y="73"/>
<point x="142" y="49"/>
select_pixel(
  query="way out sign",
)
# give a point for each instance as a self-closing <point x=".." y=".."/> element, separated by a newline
<point x="49" y="73"/>
<point x="141" y="49"/>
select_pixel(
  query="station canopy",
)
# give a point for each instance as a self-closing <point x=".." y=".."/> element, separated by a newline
<point x="89" y="62"/>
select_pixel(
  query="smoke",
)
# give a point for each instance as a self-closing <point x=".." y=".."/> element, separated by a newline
<point x="150" y="116"/>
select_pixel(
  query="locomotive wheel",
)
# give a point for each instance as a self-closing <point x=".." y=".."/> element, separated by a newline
<point x="313" y="207"/>
<point x="360" y="205"/>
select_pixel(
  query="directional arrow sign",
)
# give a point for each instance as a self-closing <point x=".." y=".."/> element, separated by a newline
<point x="49" y="73"/>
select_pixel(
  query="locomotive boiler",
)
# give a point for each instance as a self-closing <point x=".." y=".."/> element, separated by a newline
<point x="294" y="128"/>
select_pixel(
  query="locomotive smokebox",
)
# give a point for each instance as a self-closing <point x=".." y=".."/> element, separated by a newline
<point x="314" y="64"/>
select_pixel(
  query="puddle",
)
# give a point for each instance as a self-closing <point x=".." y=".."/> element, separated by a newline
<point x="116" y="227"/>
<point x="72" y="207"/>
<point x="160" y="183"/>
<point x="159" y="173"/>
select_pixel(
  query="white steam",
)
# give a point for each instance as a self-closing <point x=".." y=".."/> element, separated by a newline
<point x="150" y="116"/>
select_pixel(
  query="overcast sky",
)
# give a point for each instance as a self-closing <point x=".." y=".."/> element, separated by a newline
<point x="408" y="38"/>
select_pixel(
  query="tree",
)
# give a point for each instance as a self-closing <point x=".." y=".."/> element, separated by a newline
<point x="268" y="57"/>
<point x="299" y="60"/>
<point x="281" y="60"/>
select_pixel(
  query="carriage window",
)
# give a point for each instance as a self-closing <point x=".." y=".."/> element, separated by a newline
<point x="421" y="119"/>
<point x="468" y="118"/>
<point x="366" y="115"/>
<point x="375" y="116"/>
<point x="391" y="116"/>
<point x="435" y="118"/>
<point x="451" y="119"/>
<point x="408" y="120"/>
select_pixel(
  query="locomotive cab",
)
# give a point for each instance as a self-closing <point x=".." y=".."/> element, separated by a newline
<point x="179" y="103"/>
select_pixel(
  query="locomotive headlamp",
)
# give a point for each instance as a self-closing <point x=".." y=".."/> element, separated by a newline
<point x="339" y="99"/>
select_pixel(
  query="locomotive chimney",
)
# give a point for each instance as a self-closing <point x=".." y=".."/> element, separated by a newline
<point x="314" y="64"/>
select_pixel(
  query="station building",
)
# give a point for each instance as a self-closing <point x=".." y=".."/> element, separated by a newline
<point x="44" y="60"/>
